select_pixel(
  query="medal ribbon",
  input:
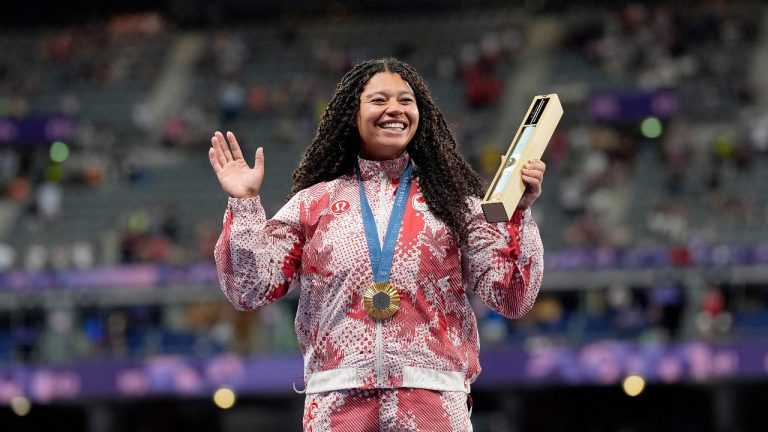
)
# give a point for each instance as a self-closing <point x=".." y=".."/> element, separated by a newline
<point x="381" y="258"/>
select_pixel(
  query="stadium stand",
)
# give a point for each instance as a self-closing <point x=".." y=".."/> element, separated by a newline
<point x="654" y="210"/>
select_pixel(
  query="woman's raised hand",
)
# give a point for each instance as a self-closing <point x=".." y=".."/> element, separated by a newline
<point x="533" y="176"/>
<point x="235" y="176"/>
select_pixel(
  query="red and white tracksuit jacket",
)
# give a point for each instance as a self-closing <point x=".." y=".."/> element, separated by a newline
<point x="317" y="242"/>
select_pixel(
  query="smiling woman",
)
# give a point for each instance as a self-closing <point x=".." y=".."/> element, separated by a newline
<point x="383" y="234"/>
<point x="388" y="117"/>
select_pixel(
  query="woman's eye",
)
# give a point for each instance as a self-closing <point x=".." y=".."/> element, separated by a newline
<point x="378" y="100"/>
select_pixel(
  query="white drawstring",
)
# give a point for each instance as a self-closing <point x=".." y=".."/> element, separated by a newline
<point x="297" y="390"/>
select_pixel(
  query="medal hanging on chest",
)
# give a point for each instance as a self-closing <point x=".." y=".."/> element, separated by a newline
<point x="381" y="299"/>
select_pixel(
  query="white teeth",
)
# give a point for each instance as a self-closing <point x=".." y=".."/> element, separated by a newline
<point x="392" y="125"/>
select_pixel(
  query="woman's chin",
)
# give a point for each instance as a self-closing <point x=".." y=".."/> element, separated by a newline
<point x="384" y="153"/>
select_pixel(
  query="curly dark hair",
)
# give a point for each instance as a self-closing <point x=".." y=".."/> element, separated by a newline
<point x="445" y="177"/>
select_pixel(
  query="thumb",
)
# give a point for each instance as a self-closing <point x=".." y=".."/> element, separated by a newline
<point x="259" y="161"/>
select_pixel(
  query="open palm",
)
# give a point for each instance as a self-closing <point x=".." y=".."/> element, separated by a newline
<point x="235" y="176"/>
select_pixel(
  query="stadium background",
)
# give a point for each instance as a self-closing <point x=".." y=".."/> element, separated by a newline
<point x="654" y="214"/>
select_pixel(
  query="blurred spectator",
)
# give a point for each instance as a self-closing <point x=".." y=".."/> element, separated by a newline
<point x="669" y="221"/>
<point x="666" y="304"/>
<point x="481" y="86"/>
<point x="713" y="320"/>
<point x="258" y="100"/>
<point x="49" y="197"/>
<point x="9" y="166"/>
<point x="82" y="255"/>
<point x="36" y="258"/>
<point x="232" y="99"/>
<point x="7" y="257"/>
<point x="60" y="344"/>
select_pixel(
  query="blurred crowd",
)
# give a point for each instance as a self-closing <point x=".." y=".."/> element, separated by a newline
<point x="700" y="181"/>
<point x="68" y="73"/>
<point x="667" y="312"/>
<point x="609" y="183"/>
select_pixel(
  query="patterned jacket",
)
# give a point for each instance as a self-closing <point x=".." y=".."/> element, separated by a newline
<point x="317" y="242"/>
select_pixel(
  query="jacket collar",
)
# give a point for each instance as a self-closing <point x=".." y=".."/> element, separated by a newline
<point x="392" y="168"/>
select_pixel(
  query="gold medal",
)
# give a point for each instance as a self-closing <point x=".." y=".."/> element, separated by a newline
<point x="381" y="300"/>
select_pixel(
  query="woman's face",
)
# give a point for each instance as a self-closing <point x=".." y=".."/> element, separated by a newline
<point x="388" y="116"/>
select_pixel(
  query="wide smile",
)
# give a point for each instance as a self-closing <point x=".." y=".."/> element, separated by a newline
<point x="393" y="127"/>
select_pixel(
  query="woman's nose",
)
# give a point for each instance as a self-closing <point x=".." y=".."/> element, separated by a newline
<point x="394" y="108"/>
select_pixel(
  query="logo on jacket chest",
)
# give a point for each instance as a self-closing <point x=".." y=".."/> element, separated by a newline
<point x="419" y="203"/>
<point x="340" y="206"/>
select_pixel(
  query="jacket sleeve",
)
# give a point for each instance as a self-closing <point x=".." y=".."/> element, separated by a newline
<point x="503" y="263"/>
<point x="257" y="260"/>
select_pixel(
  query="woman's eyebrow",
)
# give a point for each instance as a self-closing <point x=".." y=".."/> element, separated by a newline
<point x="384" y="93"/>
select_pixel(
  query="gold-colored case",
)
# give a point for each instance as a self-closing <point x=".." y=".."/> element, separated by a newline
<point x="530" y="141"/>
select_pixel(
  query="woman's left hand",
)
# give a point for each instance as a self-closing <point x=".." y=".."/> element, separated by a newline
<point x="533" y="176"/>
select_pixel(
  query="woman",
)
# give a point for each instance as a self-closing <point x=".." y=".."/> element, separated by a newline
<point x="384" y="235"/>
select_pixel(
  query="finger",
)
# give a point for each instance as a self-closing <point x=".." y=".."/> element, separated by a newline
<point x="531" y="180"/>
<point x="259" y="161"/>
<point x="535" y="168"/>
<point x="224" y="147"/>
<point x="218" y="144"/>
<point x="214" y="161"/>
<point x="533" y="173"/>
<point x="530" y="177"/>
<point x="236" y="152"/>
<point x="536" y="164"/>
